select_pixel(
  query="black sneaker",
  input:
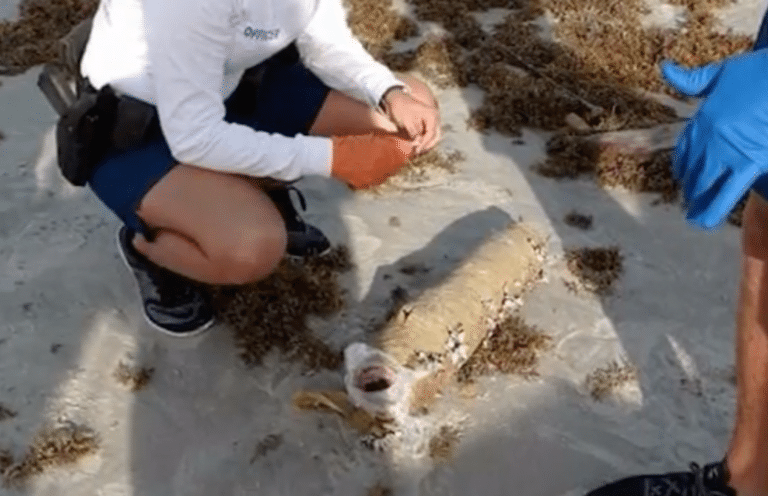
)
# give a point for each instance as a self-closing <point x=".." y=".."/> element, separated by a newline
<point x="712" y="480"/>
<point x="304" y="240"/>
<point x="171" y="303"/>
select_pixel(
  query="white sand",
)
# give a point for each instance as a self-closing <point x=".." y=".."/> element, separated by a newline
<point x="194" y="429"/>
<point x="9" y="9"/>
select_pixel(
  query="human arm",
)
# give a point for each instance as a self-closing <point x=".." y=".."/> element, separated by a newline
<point x="187" y="51"/>
<point x="329" y="49"/>
<point x="748" y="450"/>
<point x="723" y="150"/>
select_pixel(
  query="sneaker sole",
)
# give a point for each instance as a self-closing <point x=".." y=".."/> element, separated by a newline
<point x="190" y="334"/>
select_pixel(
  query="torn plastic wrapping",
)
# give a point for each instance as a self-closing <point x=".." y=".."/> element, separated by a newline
<point x="375" y="381"/>
<point x="417" y="353"/>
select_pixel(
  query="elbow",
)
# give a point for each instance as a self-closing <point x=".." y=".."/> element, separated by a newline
<point x="191" y="148"/>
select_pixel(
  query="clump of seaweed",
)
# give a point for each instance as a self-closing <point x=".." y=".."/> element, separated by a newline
<point x="571" y="156"/>
<point x="134" y="377"/>
<point x="436" y="59"/>
<point x="701" y="42"/>
<point x="271" y="314"/>
<point x="422" y="169"/>
<point x="377" y="25"/>
<point x="599" y="57"/>
<point x="33" y="38"/>
<point x="521" y="100"/>
<point x="555" y="79"/>
<point x="512" y="347"/>
<point x="604" y="381"/>
<point x="446" y="12"/>
<point x="52" y="447"/>
<point x="379" y="490"/>
<point x="701" y="5"/>
<point x="6" y="413"/>
<point x="265" y="446"/>
<point x="639" y="172"/>
<point x="578" y="220"/>
<point x="609" y="43"/>
<point x="6" y="460"/>
<point x="418" y="168"/>
<point x="380" y="434"/>
<point x="442" y="446"/>
<point x="596" y="268"/>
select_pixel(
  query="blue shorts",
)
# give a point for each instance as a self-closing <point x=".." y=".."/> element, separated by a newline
<point x="287" y="101"/>
<point x="761" y="185"/>
<point x="762" y="34"/>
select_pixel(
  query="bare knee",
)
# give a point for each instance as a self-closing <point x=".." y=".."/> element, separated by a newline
<point x="251" y="256"/>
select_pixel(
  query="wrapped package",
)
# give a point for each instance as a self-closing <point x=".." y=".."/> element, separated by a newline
<point x="419" y="350"/>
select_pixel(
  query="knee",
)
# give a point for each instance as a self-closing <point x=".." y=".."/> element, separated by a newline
<point x="252" y="256"/>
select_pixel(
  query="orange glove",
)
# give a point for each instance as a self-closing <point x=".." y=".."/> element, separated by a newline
<point x="368" y="160"/>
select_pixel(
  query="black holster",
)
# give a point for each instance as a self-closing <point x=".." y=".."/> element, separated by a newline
<point x="92" y="122"/>
<point x="98" y="122"/>
<point x="83" y="133"/>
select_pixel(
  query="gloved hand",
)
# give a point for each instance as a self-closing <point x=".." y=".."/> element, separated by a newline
<point x="723" y="150"/>
<point x="368" y="160"/>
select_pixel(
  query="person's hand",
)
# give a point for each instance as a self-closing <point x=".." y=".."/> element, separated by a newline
<point x="723" y="150"/>
<point x="420" y="121"/>
<point x="368" y="160"/>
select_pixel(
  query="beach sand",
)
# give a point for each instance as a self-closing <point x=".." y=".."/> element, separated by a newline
<point x="206" y="424"/>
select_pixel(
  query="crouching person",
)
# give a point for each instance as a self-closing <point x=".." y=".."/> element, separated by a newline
<point x="247" y="98"/>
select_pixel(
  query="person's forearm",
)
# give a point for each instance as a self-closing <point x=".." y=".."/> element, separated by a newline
<point x="748" y="453"/>
<point x="328" y="49"/>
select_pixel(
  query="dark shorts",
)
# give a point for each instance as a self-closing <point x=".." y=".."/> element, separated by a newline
<point x="287" y="102"/>
<point x="762" y="34"/>
<point x="761" y="41"/>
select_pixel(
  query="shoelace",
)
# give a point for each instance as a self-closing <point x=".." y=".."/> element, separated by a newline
<point x="282" y="198"/>
<point x="302" y="201"/>
<point x="170" y="288"/>
<point x="698" y="479"/>
<point x="673" y="487"/>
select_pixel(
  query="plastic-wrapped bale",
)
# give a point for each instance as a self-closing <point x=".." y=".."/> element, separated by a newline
<point x="430" y="338"/>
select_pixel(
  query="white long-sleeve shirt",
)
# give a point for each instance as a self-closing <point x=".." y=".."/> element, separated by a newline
<point x="186" y="56"/>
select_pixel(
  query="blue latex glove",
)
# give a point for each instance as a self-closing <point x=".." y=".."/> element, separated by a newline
<point x="723" y="150"/>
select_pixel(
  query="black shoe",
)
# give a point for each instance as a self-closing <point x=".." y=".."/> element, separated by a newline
<point x="171" y="303"/>
<point x="712" y="480"/>
<point x="304" y="240"/>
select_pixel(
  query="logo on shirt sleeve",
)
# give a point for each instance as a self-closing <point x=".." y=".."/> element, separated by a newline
<point x="261" y="34"/>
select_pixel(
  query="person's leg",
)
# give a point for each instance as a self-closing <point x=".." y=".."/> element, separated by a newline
<point x="223" y="229"/>
<point x="343" y="115"/>
<point x="746" y="461"/>
<point x="748" y="452"/>
<point x="211" y="227"/>
<point x="746" y="464"/>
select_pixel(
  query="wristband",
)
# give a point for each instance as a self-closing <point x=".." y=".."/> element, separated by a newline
<point x="382" y="102"/>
